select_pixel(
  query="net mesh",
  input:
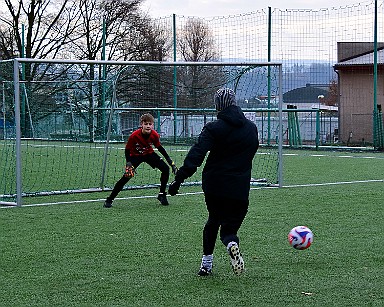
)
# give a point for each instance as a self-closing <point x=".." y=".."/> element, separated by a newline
<point x="73" y="128"/>
<point x="74" y="106"/>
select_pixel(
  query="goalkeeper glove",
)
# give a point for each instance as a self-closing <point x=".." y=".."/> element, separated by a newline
<point x="129" y="170"/>
<point x="172" y="165"/>
<point x="174" y="188"/>
<point x="174" y="168"/>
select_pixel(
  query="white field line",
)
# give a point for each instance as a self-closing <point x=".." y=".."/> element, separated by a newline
<point x="334" y="156"/>
<point x="186" y="150"/>
<point x="197" y="193"/>
<point x="258" y="153"/>
<point x="332" y="183"/>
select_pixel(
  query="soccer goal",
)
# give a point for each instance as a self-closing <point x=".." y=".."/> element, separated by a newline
<point x="65" y="122"/>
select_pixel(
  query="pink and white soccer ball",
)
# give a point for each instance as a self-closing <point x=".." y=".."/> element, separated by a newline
<point x="300" y="237"/>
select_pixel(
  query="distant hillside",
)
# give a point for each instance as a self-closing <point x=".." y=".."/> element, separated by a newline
<point x="294" y="76"/>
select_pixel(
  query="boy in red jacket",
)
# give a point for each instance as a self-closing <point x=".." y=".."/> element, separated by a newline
<point x="139" y="149"/>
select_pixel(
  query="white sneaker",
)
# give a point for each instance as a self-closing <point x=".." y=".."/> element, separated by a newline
<point x="237" y="261"/>
<point x="206" y="265"/>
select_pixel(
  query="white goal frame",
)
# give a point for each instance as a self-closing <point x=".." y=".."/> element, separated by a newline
<point x="17" y="62"/>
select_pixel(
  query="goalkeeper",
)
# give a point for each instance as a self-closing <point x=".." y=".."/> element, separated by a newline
<point x="139" y="149"/>
<point x="232" y="142"/>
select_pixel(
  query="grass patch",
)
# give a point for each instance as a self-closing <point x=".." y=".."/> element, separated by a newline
<point x="139" y="253"/>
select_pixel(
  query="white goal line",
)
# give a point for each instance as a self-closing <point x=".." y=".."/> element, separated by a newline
<point x="197" y="193"/>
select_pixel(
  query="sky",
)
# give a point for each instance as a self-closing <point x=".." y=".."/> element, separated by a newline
<point x="212" y="8"/>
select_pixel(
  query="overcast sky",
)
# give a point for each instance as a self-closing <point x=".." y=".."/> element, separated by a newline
<point x="210" y="8"/>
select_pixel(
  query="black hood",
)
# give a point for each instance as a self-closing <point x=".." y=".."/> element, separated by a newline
<point x="233" y="115"/>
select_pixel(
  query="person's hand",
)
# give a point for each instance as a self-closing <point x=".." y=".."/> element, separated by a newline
<point x="174" y="188"/>
<point x="129" y="170"/>
<point x="174" y="168"/>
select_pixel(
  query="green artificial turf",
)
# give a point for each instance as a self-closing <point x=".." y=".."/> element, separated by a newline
<point x="139" y="253"/>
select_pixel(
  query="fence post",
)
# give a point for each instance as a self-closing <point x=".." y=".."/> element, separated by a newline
<point x="379" y="137"/>
<point x="317" y="129"/>
<point x="174" y="81"/>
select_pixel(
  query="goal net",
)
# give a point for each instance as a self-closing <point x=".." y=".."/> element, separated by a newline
<point x="64" y="123"/>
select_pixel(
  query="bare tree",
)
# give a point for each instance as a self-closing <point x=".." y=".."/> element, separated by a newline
<point x="48" y="26"/>
<point x="196" y="44"/>
<point x="119" y="29"/>
<point x="149" y="41"/>
<point x="74" y="28"/>
<point x="7" y="39"/>
<point x="129" y="34"/>
<point x="149" y="86"/>
<point x="35" y="29"/>
<point x="114" y="14"/>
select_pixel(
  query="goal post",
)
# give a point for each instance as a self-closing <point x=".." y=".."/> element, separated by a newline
<point x="69" y="125"/>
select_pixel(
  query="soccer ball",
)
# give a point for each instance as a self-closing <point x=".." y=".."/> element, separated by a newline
<point x="300" y="237"/>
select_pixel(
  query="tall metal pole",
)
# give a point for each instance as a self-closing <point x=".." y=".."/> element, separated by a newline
<point x="22" y="107"/>
<point x="269" y="73"/>
<point x="103" y="85"/>
<point x="174" y="80"/>
<point x="280" y="132"/>
<point x="375" y="117"/>
<point x="3" y="110"/>
<point x="16" y="86"/>
<point x="317" y="140"/>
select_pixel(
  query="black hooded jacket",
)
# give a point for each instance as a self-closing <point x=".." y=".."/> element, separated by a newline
<point x="232" y="142"/>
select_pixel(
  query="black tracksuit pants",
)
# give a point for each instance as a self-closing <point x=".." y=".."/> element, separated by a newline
<point x="225" y="215"/>
<point x="154" y="161"/>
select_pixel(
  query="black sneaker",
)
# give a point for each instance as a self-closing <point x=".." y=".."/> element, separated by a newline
<point x="204" y="271"/>
<point x="162" y="198"/>
<point x="108" y="203"/>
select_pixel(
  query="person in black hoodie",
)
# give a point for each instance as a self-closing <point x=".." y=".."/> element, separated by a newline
<point x="232" y="142"/>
